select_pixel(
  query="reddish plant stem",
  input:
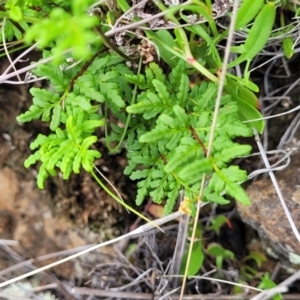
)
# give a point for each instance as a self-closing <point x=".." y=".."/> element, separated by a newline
<point x="198" y="140"/>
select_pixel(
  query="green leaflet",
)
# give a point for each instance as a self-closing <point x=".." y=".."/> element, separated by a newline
<point x="193" y="172"/>
<point x="158" y="98"/>
<point x="43" y="103"/>
<point x="287" y="44"/>
<point x="66" y="149"/>
<point x="150" y="105"/>
<point x="59" y="80"/>
<point x="227" y="180"/>
<point x="184" y="154"/>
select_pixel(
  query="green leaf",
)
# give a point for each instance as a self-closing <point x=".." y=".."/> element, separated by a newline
<point x="112" y="92"/>
<point x="165" y="37"/>
<point x="56" y="117"/>
<point x="87" y="86"/>
<point x="193" y="173"/>
<point x="150" y="106"/>
<point x="140" y="174"/>
<point x="196" y="260"/>
<point x="236" y="150"/>
<point x="235" y="174"/>
<point x="257" y="38"/>
<point x="217" y="223"/>
<point x="184" y="88"/>
<point x="33" y="113"/>
<point x="89" y="126"/>
<point x="247" y="11"/>
<point x="32" y="159"/>
<point x="287" y="44"/>
<point x="162" y="91"/>
<point x="66" y="30"/>
<point x="185" y="153"/>
<point x="142" y="192"/>
<point x="215" y="198"/>
<point x="268" y="283"/>
<point x="258" y="257"/>
<point x="43" y="102"/>
<point x="177" y="73"/>
<point x="220" y="253"/>
<point x="237" y="192"/>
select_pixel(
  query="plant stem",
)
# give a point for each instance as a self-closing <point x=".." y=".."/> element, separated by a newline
<point x="187" y="54"/>
<point x="122" y="202"/>
<point x="134" y="95"/>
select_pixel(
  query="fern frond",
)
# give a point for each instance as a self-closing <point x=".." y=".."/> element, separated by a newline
<point x="176" y="75"/>
<point x="183" y="89"/>
<point x="87" y="86"/>
<point x="227" y="180"/>
<point x="67" y="149"/>
<point x="184" y="154"/>
<point x="139" y="80"/>
<point x="43" y="103"/>
<point x="180" y="137"/>
<point x="155" y="72"/>
<point x="58" y="79"/>
<point x="11" y="31"/>
<point x="150" y="105"/>
<point x="169" y="130"/>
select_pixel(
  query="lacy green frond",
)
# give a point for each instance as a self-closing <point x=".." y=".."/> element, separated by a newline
<point x="184" y="154"/>
<point x="150" y="105"/>
<point x="67" y="149"/>
<point x="170" y="154"/>
<point x="73" y="113"/>
<point x="228" y="180"/>
<point x="58" y="79"/>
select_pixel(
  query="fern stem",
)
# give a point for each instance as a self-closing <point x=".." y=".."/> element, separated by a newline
<point x="195" y="135"/>
<point x="81" y="72"/>
<point x="134" y="94"/>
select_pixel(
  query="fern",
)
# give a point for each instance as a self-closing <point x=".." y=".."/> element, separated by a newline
<point x="11" y="31"/>
<point x="72" y="108"/>
<point x="167" y="134"/>
<point x="169" y="153"/>
<point x="66" y="149"/>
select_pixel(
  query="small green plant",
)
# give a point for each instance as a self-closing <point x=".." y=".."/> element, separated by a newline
<point x="161" y="113"/>
<point x="267" y="283"/>
<point x="167" y="120"/>
<point x="167" y="137"/>
<point x="220" y="254"/>
<point x="197" y="257"/>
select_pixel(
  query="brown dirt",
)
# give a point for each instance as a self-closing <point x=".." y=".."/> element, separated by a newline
<point x="63" y="216"/>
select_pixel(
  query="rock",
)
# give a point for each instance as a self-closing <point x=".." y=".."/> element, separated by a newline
<point x="266" y="215"/>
